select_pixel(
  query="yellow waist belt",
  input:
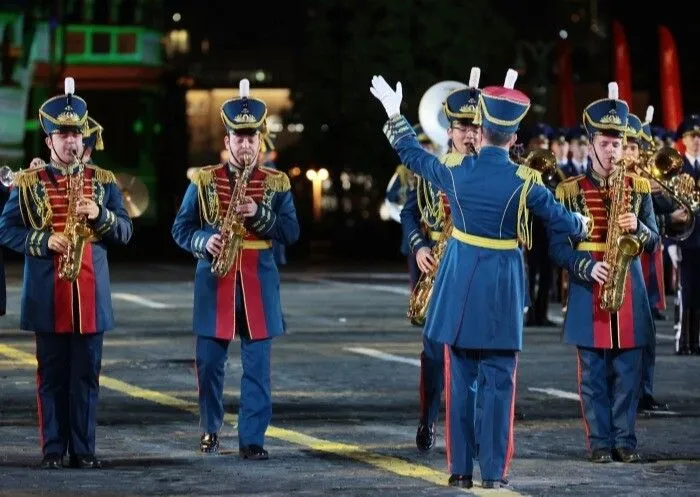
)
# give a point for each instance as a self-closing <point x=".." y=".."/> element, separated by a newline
<point x="591" y="246"/>
<point x="257" y="244"/>
<point x="483" y="242"/>
<point x="435" y="235"/>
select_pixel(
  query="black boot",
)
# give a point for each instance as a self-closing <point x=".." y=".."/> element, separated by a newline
<point x="648" y="403"/>
<point x="425" y="437"/>
<point x="254" y="452"/>
<point x="85" y="461"/>
<point x="52" y="461"/>
<point x="461" y="481"/>
<point x="209" y="443"/>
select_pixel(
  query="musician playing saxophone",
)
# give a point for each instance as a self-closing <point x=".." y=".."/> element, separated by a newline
<point x="243" y="299"/>
<point x="423" y="218"/>
<point x="69" y="317"/>
<point x="479" y="294"/>
<point x="609" y="342"/>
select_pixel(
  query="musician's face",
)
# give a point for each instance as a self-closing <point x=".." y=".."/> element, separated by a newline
<point x="692" y="143"/>
<point x="605" y="151"/>
<point x="240" y="145"/>
<point x="62" y="146"/>
<point x="463" y="135"/>
<point x="631" y="149"/>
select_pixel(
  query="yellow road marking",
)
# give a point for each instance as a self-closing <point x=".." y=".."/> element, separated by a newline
<point x="356" y="452"/>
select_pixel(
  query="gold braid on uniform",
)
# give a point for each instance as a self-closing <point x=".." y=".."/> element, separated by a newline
<point x="524" y="227"/>
<point x="28" y="184"/>
<point x="568" y="193"/>
<point x="208" y="199"/>
<point x="102" y="175"/>
<point x="427" y="206"/>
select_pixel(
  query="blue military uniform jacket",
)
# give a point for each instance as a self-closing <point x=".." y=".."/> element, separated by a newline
<point x="586" y="324"/>
<point x="255" y="273"/>
<point x="693" y="241"/>
<point x="4" y="193"/>
<point x="479" y="291"/>
<point x="37" y="207"/>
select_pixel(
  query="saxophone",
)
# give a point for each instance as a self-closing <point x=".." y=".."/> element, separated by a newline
<point x="76" y="230"/>
<point x="420" y="297"/>
<point x="232" y="229"/>
<point x="620" y="248"/>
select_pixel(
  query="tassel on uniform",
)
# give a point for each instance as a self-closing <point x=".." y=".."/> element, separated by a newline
<point x="567" y="191"/>
<point x="641" y="185"/>
<point x="26" y="178"/>
<point x="531" y="177"/>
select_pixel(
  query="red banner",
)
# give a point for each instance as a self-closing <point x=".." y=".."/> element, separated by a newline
<point x="623" y="70"/>
<point x="670" y="80"/>
<point x="565" y="85"/>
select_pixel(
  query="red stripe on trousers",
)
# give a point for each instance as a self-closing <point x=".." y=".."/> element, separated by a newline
<point x="510" y="450"/>
<point x="448" y="406"/>
<point x="659" y="267"/>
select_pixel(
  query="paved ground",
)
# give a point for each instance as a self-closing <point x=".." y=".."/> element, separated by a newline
<point x="345" y="404"/>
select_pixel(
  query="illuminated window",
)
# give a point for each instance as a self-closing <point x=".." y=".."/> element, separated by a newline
<point x="126" y="43"/>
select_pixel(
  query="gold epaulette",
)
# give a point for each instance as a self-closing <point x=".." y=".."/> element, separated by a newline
<point x="203" y="176"/>
<point x="276" y="180"/>
<point x="639" y="184"/>
<point x="28" y="177"/>
<point x="102" y="175"/>
<point x="568" y="190"/>
<point x="529" y="175"/>
<point x="452" y="159"/>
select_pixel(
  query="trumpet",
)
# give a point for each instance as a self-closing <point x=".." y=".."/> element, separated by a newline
<point x="662" y="166"/>
<point x="7" y="176"/>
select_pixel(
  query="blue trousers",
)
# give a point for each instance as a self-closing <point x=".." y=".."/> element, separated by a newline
<point x="432" y="374"/>
<point x="648" y="365"/>
<point x="609" y="386"/>
<point x="480" y="410"/>
<point x="67" y="391"/>
<point x="255" y="406"/>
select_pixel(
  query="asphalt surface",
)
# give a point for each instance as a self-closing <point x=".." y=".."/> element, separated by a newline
<point x="345" y="403"/>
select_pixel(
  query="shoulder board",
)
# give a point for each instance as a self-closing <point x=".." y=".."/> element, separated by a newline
<point x="102" y="175"/>
<point x="529" y="175"/>
<point x="276" y="180"/>
<point x="568" y="189"/>
<point x="452" y="159"/>
<point x="639" y="184"/>
<point x="203" y="175"/>
<point x="28" y="177"/>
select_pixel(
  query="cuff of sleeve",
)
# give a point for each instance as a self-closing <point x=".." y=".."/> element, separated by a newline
<point x="199" y="244"/>
<point x="642" y="233"/>
<point x="416" y="241"/>
<point x="583" y="269"/>
<point x="37" y="243"/>
<point x="105" y="221"/>
<point x="397" y="128"/>
<point x="263" y="220"/>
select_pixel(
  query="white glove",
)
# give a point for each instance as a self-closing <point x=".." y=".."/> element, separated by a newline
<point x="586" y="221"/>
<point x="674" y="254"/>
<point x="390" y="99"/>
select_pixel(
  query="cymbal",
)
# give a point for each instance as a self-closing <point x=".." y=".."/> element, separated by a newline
<point x="134" y="194"/>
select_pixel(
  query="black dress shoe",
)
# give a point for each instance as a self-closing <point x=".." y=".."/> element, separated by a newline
<point x="600" y="456"/>
<point x="494" y="483"/>
<point x="626" y="455"/>
<point x="648" y="403"/>
<point x="461" y="481"/>
<point x="52" y="461"/>
<point x="683" y="351"/>
<point x="209" y="443"/>
<point x="425" y="437"/>
<point x="254" y="452"/>
<point x="86" y="461"/>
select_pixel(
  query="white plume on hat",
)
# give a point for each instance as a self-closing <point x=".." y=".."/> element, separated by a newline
<point x="650" y="114"/>
<point x="244" y="88"/>
<point x="613" y="91"/>
<point x="474" y="77"/>
<point x="69" y="86"/>
<point x="511" y="78"/>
